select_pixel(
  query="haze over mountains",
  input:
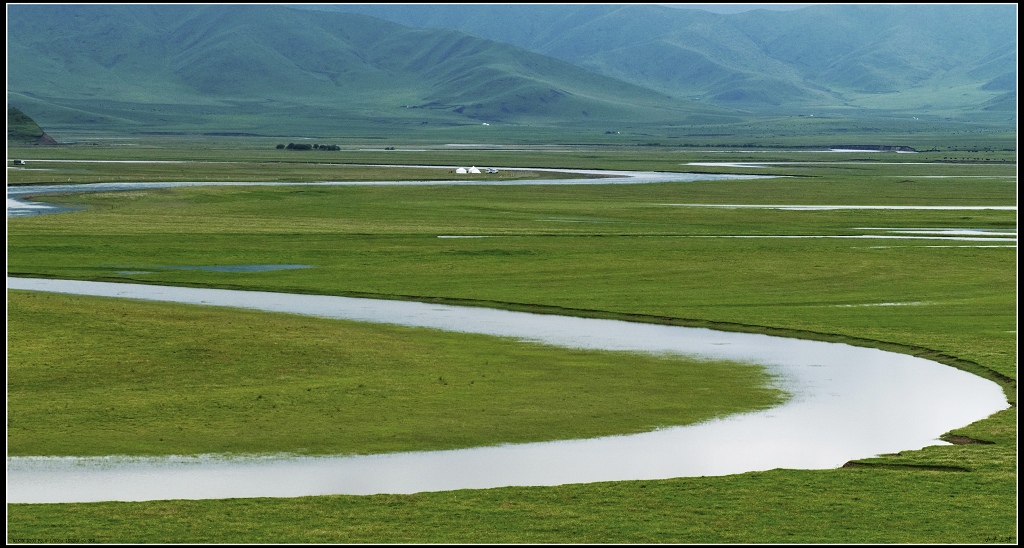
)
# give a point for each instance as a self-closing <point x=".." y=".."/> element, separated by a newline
<point x="819" y="55"/>
<point x="271" y="69"/>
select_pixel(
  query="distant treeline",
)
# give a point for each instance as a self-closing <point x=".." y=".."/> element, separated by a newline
<point x="305" y="146"/>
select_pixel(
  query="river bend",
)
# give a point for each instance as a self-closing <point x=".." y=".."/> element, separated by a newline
<point x="847" y="403"/>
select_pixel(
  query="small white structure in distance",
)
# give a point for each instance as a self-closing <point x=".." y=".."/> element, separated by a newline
<point x="473" y="169"/>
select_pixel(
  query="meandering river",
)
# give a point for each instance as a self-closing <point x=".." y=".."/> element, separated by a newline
<point x="847" y="403"/>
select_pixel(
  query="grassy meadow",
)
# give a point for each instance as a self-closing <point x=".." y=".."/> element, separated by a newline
<point x="182" y="381"/>
<point x="91" y="376"/>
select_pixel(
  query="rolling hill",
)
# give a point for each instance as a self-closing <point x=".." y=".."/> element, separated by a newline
<point x="301" y="70"/>
<point x="257" y="68"/>
<point x="949" y="56"/>
<point x="24" y="130"/>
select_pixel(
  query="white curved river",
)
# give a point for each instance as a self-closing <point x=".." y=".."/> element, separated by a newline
<point x="847" y="403"/>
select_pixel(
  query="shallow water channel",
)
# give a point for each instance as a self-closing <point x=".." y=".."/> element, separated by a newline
<point x="19" y="206"/>
<point x="847" y="403"/>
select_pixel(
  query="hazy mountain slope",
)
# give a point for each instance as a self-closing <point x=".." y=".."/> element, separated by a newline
<point x="24" y="130"/>
<point x="827" y="55"/>
<point x="878" y="49"/>
<point x="175" y="65"/>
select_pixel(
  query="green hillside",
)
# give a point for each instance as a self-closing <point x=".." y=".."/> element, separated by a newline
<point x="276" y="69"/>
<point x="947" y="57"/>
<point x="22" y="129"/>
<point x="583" y="71"/>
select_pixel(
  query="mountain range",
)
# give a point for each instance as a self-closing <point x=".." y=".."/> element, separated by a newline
<point x="275" y="69"/>
<point x="816" y="56"/>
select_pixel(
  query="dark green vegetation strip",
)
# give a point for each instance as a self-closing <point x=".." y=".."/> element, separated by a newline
<point x="615" y="251"/>
<point x="94" y="376"/>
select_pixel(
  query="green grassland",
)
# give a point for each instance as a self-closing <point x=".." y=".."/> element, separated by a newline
<point x="225" y="159"/>
<point x="182" y="381"/>
<point x="606" y="251"/>
<point x="195" y="129"/>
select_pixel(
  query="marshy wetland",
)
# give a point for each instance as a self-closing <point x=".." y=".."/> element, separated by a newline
<point x="81" y="381"/>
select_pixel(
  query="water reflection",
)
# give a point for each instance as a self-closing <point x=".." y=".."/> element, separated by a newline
<point x="848" y="402"/>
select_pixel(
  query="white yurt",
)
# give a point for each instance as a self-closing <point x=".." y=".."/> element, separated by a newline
<point x="461" y="170"/>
